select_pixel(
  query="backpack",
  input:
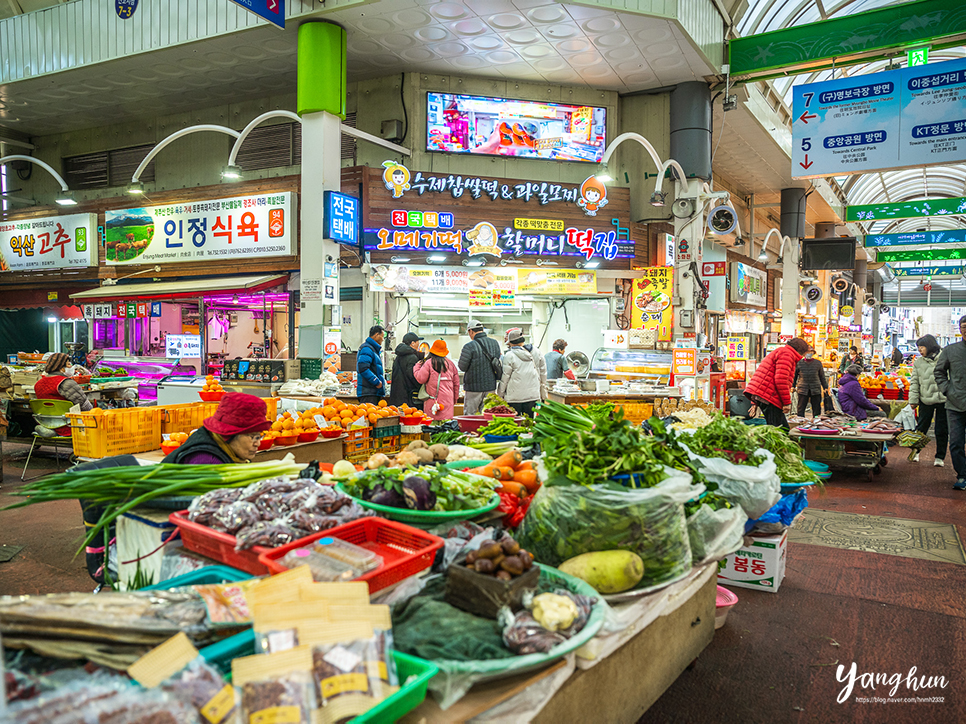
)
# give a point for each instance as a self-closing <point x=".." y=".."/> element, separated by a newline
<point x="495" y="364"/>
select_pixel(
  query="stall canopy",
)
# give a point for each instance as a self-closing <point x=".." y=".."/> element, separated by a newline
<point x="191" y="289"/>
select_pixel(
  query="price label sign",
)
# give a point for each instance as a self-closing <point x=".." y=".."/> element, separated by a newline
<point x="737" y="348"/>
<point x="684" y="361"/>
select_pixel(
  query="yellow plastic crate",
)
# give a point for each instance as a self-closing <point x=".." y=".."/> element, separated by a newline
<point x="104" y="433"/>
<point x="185" y="417"/>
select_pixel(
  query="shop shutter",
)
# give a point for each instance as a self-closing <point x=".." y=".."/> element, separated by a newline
<point x="107" y="168"/>
<point x="86" y="172"/>
<point x="125" y="161"/>
<point x="348" y="142"/>
<point x="269" y="147"/>
<point x="350" y="294"/>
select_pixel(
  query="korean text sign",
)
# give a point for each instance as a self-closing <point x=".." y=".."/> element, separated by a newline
<point x="737" y="348"/>
<point x="651" y="302"/>
<point x="51" y="242"/>
<point x="748" y="285"/>
<point x="210" y="230"/>
<point x="341" y="218"/>
<point x="900" y="118"/>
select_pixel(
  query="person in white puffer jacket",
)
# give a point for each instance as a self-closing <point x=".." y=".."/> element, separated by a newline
<point x="524" y="381"/>
<point x="924" y="394"/>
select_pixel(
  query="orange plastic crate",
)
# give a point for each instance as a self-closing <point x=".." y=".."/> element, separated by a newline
<point x="104" y="433"/>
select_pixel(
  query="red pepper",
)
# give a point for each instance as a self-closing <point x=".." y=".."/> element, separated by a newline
<point x="515" y="509"/>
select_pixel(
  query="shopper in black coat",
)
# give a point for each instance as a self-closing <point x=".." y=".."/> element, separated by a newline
<point x="404" y="386"/>
<point x="475" y="363"/>
<point x="810" y="383"/>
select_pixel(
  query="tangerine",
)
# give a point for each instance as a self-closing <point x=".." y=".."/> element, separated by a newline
<point x="383" y="403"/>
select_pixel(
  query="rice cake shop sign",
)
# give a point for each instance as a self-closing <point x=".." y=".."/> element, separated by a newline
<point x="436" y="214"/>
<point x="215" y="230"/>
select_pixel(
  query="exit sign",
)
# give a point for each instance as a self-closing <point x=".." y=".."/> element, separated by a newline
<point x="271" y="10"/>
<point x="919" y="56"/>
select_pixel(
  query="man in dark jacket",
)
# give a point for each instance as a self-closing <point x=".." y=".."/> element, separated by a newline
<point x="478" y="375"/>
<point x="404" y="386"/>
<point x="371" y="383"/>
<point x="810" y="383"/>
<point x="951" y="377"/>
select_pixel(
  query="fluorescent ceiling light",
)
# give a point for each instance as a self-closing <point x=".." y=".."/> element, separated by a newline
<point x="592" y="264"/>
<point x="436" y="257"/>
<point x="136" y="188"/>
<point x="51" y="320"/>
<point x="231" y="173"/>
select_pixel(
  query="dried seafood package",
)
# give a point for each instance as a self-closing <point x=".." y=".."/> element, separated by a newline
<point x="276" y="687"/>
<point x="177" y="669"/>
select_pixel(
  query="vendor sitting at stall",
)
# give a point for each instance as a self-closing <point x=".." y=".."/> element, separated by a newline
<point x="231" y="435"/>
<point x="57" y="385"/>
<point x="852" y="396"/>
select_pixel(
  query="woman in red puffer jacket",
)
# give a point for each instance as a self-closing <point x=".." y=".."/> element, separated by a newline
<point x="771" y="385"/>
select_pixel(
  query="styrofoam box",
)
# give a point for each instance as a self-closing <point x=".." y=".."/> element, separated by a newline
<point x="760" y="565"/>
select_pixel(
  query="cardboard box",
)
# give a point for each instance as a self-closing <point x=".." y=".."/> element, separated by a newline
<point x="760" y="565"/>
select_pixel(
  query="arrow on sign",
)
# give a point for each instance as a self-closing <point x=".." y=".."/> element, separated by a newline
<point x="273" y="5"/>
<point x="805" y="116"/>
<point x="807" y="163"/>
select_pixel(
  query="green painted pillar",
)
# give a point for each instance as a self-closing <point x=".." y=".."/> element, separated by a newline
<point x="321" y="69"/>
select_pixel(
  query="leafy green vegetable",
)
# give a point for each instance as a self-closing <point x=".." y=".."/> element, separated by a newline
<point x="554" y="419"/>
<point x="454" y="490"/>
<point x="712" y="500"/>
<point x="788" y="454"/>
<point x="493" y="400"/>
<point x="725" y="438"/>
<point x="448" y="437"/>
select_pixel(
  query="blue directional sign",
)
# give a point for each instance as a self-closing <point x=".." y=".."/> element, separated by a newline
<point x="899" y="118"/>
<point x="929" y="271"/>
<point x="916" y="238"/>
<point x="341" y="218"/>
<point x="271" y="10"/>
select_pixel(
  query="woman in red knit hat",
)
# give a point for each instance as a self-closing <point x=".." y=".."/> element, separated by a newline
<point x="231" y="435"/>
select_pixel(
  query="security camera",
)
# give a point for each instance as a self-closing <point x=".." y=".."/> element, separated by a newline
<point x="722" y="220"/>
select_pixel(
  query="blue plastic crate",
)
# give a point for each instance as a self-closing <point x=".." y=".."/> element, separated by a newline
<point x="208" y="574"/>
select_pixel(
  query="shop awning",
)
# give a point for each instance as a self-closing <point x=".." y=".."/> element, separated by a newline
<point x="191" y="289"/>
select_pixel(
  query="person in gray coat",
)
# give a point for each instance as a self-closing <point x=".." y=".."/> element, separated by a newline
<point x="926" y="399"/>
<point x="476" y="365"/>
<point x="951" y="379"/>
<point x="524" y="380"/>
<point x="810" y="383"/>
<point x="556" y="362"/>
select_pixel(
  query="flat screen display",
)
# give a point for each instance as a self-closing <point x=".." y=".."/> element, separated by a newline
<point x="524" y="129"/>
<point x="828" y="254"/>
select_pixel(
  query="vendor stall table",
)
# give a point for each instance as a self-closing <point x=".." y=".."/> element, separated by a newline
<point x="846" y="452"/>
<point x="322" y="450"/>
<point x="617" y="677"/>
<point x="637" y="406"/>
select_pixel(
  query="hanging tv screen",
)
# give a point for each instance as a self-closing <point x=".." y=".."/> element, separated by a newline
<point x="523" y="129"/>
<point x="828" y="254"/>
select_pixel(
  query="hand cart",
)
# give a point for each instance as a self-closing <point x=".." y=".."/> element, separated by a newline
<point x="860" y="451"/>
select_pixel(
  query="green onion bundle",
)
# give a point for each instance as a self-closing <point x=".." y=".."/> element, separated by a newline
<point x="123" y="488"/>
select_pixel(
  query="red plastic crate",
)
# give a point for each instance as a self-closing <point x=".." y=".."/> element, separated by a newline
<point x="218" y="546"/>
<point x="405" y="550"/>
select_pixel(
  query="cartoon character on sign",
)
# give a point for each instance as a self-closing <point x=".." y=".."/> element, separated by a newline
<point x="484" y="237"/>
<point x="593" y="196"/>
<point x="396" y="177"/>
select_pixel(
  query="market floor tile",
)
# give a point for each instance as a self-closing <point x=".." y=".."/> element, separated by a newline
<point x="879" y="534"/>
<point x="777" y="657"/>
<point x="50" y="534"/>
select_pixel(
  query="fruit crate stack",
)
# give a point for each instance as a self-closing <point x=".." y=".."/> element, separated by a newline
<point x="407" y="437"/>
<point x="357" y="444"/>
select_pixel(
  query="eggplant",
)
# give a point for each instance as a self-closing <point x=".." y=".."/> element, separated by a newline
<point x="380" y="496"/>
<point x="418" y="494"/>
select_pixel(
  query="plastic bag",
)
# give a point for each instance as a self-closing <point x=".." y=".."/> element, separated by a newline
<point x="781" y="515"/>
<point x="755" y="489"/>
<point x="907" y="418"/>
<point x="567" y="520"/>
<point x="715" y="533"/>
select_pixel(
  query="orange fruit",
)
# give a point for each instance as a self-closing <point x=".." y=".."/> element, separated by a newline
<point x="346" y="415"/>
<point x="277" y="425"/>
<point x="373" y="417"/>
<point x="288" y="424"/>
<point x="383" y="403"/>
<point x="328" y="411"/>
<point x="300" y="423"/>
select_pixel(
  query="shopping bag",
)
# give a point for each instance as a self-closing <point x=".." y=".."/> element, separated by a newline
<point x="907" y="418"/>
<point x="828" y="404"/>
